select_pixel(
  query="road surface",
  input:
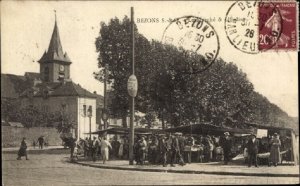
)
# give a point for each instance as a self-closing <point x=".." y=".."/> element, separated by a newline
<point x="53" y="169"/>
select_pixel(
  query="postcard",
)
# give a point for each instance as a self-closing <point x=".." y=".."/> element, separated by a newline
<point x="149" y="92"/>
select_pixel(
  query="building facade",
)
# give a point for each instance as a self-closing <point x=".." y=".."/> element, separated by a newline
<point x="52" y="90"/>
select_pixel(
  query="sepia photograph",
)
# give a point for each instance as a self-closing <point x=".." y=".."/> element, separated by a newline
<point x="149" y="92"/>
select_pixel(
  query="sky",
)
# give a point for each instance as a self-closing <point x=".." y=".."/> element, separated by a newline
<point x="26" y="28"/>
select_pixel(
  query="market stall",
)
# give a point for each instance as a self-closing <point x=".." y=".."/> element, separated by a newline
<point x="208" y="133"/>
<point x="289" y="146"/>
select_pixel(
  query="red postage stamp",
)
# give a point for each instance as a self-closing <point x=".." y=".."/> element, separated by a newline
<point x="278" y="25"/>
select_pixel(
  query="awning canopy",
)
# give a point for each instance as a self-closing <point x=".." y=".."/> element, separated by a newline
<point x="137" y="131"/>
<point x="207" y="128"/>
<point x="268" y="126"/>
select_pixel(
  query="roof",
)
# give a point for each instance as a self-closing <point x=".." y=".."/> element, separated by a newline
<point x="267" y="126"/>
<point x="65" y="89"/>
<point x="12" y="85"/>
<point x="72" y="89"/>
<point x="126" y="131"/>
<point x="207" y="128"/>
<point x="55" y="51"/>
<point x="32" y="75"/>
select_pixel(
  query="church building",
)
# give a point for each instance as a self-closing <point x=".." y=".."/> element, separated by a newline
<point x="53" y="91"/>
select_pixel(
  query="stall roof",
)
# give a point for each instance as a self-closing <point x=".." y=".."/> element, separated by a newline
<point x="268" y="126"/>
<point x="126" y="131"/>
<point x="208" y="128"/>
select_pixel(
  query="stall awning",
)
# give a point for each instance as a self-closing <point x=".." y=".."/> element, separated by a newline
<point x="137" y="131"/>
<point x="268" y="126"/>
<point x="208" y="128"/>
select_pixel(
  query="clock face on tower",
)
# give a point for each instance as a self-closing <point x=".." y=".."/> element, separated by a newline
<point x="61" y="68"/>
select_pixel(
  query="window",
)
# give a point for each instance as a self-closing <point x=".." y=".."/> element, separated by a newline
<point x="90" y="110"/>
<point x="84" y="110"/>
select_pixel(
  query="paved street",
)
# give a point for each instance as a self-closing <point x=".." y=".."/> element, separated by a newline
<point x="52" y="169"/>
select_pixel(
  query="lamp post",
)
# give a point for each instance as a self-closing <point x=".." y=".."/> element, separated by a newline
<point x="90" y="114"/>
<point x="132" y="91"/>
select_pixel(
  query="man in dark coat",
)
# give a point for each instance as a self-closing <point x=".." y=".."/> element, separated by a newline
<point x="152" y="151"/>
<point x="252" y="147"/>
<point x="115" y="147"/>
<point x="86" y="147"/>
<point x="163" y="149"/>
<point x="95" y="148"/>
<point x="23" y="150"/>
<point x="41" y="142"/>
<point x="71" y="143"/>
<point x="226" y="145"/>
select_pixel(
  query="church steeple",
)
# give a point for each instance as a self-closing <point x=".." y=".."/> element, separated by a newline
<point x="54" y="64"/>
<point x="55" y="51"/>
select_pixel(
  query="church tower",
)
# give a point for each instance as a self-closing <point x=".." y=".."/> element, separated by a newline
<point x="54" y="64"/>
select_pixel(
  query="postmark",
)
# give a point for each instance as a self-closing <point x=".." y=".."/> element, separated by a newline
<point x="241" y="26"/>
<point x="196" y="36"/>
<point x="278" y="28"/>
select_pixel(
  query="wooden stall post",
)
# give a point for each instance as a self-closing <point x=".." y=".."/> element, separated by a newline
<point x="295" y="153"/>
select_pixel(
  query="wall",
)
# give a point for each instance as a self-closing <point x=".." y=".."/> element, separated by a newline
<point x="74" y="108"/>
<point x="12" y="136"/>
<point x="54" y="104"/>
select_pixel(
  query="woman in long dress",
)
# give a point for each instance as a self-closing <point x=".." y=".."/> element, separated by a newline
<point x="23" y="150"/>
<point x="275" y="150"/>
<point x="104" y="149"/>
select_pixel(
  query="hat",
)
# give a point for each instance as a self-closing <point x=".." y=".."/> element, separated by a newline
<point x="253" y="135"/>
<point x="275" y="134"/>
<point x="226" y="134"/>
<point x="177" y="133"/>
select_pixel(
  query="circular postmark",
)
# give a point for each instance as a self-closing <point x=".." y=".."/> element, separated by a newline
<point x="248" y="27"/>
<point x="195" y="35"/>
<point x="241" y="23"/>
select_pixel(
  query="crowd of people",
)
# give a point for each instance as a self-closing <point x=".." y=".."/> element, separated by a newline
<point x="175" y="148"/>
<point x="164" y="149"/>
<point x="159" y="149"/>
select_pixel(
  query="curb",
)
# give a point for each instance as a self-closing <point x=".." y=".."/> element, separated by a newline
<point x="32" y="150"/>
<point x="188" y="171"/>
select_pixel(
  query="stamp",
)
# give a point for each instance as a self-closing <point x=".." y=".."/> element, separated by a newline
<point x="270" y="25"/>
<point x="278" y="28"/>
<point x="195" y="35"/>
<point x="241" y="26"/>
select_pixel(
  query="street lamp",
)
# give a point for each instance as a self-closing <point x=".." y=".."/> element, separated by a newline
<point x="90" y="114"/>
